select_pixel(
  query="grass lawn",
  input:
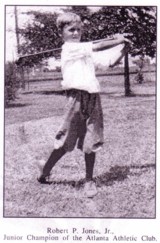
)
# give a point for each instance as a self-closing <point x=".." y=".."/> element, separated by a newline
<point x="124" y="170"/>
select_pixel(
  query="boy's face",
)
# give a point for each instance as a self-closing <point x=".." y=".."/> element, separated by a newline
<point x="72" y="32"/>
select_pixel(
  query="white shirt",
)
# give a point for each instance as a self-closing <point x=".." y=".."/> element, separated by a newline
<point x="78" y="69"/>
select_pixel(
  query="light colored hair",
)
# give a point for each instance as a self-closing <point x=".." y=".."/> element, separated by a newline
<point x="67" y="19"/>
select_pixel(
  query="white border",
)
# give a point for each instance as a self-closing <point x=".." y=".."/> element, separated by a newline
<point x="132" y="227"/>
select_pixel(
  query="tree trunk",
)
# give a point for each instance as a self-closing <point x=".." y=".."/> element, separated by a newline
<point x="126" y="75"/>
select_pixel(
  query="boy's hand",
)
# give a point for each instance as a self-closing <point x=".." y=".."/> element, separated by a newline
<point x="122" y="38"/>
<point x="119" y="37"/>
<point x="109" y="43"/>
<point x="128" y="37"/>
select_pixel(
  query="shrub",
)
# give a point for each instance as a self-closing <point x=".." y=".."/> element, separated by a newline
<point x="12" y="81"/>
<point x="140" y="64"/>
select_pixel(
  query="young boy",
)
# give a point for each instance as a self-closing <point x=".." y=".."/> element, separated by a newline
<point x="83" y="122"/>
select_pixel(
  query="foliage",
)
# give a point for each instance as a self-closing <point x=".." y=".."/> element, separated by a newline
<point x="12" y="81"/>
<point x="138" y="21"/>
<point x="39" y="36"/>
<point x="141" y="62"/>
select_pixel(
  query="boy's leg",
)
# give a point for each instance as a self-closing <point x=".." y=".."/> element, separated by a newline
<point x="54" y="157"/>
<point x="90" y="189"/>
<point x="90" y="161"/>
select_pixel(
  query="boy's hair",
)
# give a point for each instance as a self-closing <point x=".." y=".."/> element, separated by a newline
<point x="66" y="19"/>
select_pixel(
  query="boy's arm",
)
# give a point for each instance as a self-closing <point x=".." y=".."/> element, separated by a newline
<point x="106" y="44"/>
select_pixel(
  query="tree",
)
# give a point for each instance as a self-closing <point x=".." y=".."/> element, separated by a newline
<point x="138" y="22"/>
<point x="39" y="36"/>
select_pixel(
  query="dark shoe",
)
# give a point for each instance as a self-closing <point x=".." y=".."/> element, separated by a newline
<point x="41" y="178"/>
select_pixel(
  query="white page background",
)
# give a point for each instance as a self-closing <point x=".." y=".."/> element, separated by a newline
<point x="149" y="228"/>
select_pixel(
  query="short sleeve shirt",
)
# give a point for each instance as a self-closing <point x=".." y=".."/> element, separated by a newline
<point x="78" y="68"/>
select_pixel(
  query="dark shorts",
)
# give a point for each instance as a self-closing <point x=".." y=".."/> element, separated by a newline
<point x="83" y="123"/>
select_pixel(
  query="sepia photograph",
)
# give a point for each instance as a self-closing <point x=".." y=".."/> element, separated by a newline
<point x="80" y="89"/>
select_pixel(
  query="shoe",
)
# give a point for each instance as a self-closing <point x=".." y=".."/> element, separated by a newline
<point x="41" y="178"/>
<point x="90" y="189"/>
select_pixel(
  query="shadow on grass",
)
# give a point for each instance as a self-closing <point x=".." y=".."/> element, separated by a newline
<point x="110" y="94"/>
<point x="14" y="105"/>
<point x="51" y="92"/>
<point x="116" y="173"/>
<point x="122" y="95"/>
<point x="144" y="95"/>
<point x="143" y="166"/>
